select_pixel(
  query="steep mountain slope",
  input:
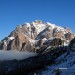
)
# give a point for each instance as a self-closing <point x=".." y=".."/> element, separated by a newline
<point x="31" y="36"/>
<point x="64" y="65"/>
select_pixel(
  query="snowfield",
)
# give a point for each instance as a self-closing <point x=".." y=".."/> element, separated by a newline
<point x="65" y="64"/>
<point x="12" y="54"/>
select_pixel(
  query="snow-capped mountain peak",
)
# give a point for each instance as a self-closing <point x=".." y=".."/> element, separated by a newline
<point x="26" y="34"/>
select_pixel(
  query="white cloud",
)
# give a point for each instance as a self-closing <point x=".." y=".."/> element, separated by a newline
<point x="12" y="54"/>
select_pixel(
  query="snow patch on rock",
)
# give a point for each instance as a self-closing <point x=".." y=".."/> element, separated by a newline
<point x="11" y="38"/>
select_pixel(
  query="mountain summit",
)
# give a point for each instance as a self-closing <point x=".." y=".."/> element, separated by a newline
<point x="35" y="35"/>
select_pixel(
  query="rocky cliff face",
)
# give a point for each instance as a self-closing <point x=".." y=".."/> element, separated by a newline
<point x="32" y="36"/>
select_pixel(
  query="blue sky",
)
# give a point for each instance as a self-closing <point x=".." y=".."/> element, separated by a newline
<point x="14" y="12"/>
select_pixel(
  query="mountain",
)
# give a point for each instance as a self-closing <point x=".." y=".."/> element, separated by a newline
<point x="36" y="36"/>
<point x="64" y="64"/>
<point x="54" y="48"/>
